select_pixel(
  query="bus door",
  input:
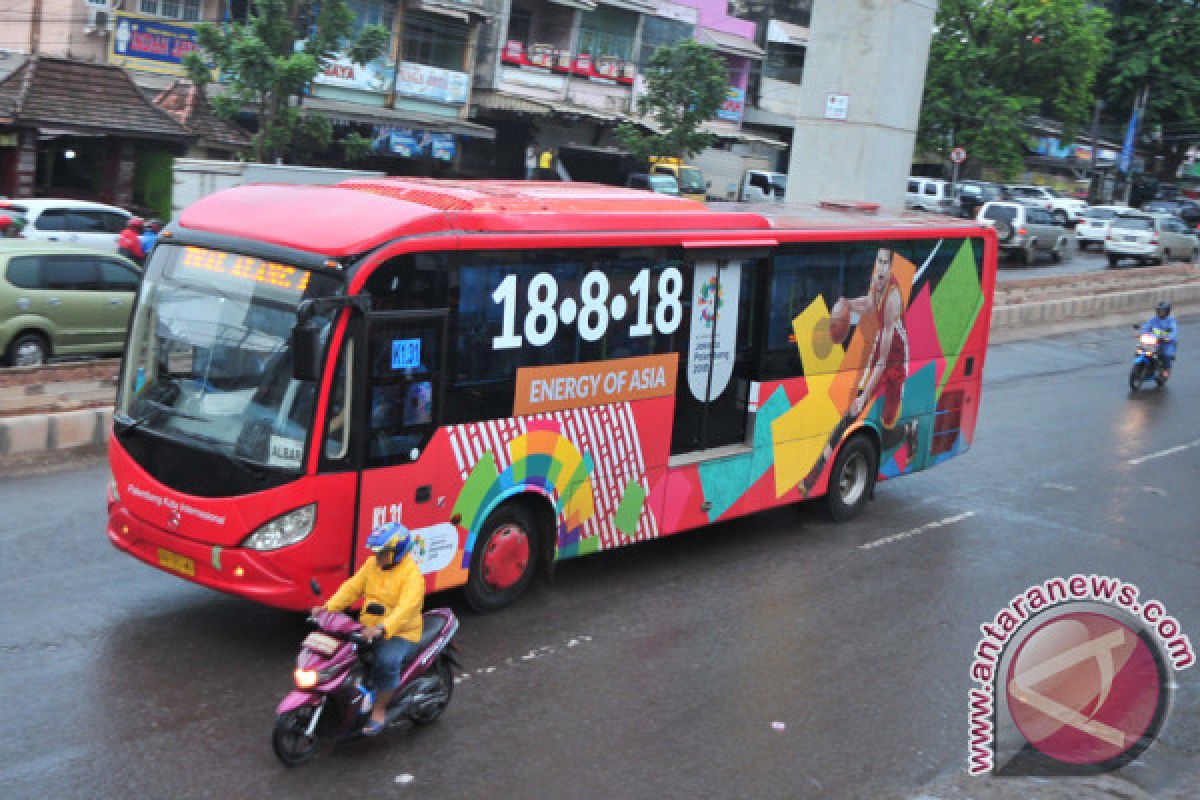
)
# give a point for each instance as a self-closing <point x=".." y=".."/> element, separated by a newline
<point x="717" y="364"/>
<point x="404" y="404"/>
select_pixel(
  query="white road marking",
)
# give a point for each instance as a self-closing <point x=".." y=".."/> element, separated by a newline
<point x="928" y="526"/>
<point x="1155" y="490"/>
<point x="1170" y="451"/>
<point x="1062" y="487"/>
<point x="541" y="652"/>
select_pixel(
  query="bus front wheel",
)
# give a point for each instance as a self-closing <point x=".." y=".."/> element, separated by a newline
<point x="852" y="478"/>
<point x="504" y="558"/>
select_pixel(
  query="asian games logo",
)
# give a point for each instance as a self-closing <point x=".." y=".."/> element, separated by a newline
<point x="1073" y="677"/>
<point x="711" y="300"/>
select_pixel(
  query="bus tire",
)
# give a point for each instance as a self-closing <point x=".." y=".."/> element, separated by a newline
<point x="504" y="558"/>
<point x="852" y="479"/>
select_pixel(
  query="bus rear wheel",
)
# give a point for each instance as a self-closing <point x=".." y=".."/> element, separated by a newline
<point x="504" y="558"/>
<point x="852" y="479"/>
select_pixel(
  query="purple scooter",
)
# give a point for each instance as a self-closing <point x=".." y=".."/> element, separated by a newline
<point x="333" y="695"/>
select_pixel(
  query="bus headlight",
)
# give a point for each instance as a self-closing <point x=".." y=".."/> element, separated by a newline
<point x="286" y="529"/>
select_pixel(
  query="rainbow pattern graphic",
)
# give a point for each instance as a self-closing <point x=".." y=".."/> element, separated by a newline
<point x="540" y="460"/>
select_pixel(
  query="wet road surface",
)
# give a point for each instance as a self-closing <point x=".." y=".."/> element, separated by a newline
<point x="659" y="670"/>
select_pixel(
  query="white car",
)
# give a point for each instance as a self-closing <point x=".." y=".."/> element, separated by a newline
<point x="1093" y="228"/>
<point x="78" y="222"/>
<point x="930" y="194"/>
<point x="1065" y="210"/>
<point x="1149" y="238"/>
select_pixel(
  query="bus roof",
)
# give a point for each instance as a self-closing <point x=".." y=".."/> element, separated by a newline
<point x="359" y="215"/>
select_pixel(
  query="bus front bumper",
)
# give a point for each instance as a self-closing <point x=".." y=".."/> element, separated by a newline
<point x="234" y="570"/>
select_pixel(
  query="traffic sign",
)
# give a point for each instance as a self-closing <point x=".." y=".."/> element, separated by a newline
<point x="958" y="155"/>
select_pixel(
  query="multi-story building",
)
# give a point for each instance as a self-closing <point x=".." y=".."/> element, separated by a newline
<point x="562" y="74"/>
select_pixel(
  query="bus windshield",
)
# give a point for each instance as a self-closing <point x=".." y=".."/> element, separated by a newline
<point x="209" y="359"/>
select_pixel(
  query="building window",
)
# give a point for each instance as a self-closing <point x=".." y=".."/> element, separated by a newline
<point x="785" y="62"/>
<point x="435" y="41"/>
<point x="659" y="32"/>
<point x="186" y="10"/>
<point x="373" y="12"/>
<point x="608" y="32"/>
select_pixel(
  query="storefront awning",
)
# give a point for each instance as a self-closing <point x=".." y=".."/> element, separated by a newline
<point x="582" y="5"/>
<point x="503" y="101"/>
<point x="640" y="6"/>
<point x="730" y="43"/>
<point x="751" y="138"/>
<point x="378" y="115"/>
<point x="787" y="33"/>
<point x="458" y="9"/>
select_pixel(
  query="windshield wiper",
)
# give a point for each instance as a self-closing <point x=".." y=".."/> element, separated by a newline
<point x="174" y="412"/>
<point x="127" y="423"/>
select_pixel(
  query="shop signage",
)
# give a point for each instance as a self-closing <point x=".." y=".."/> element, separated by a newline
<point x="8" y="140"/>
<point x="432" y="83"/>
<point x="735" y="103"/>
<point x="150" y="44"/>
<point x="342" y="73"/>
<point x="837" y="106"/>
<point x="414" y="143"/>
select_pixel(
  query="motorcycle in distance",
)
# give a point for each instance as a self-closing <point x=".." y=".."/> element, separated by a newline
<point x="333" y="697"/>
<point x="1147" y="361"/>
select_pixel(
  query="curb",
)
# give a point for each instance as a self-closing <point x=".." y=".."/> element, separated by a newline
<point x="64" y="431"/>
<point x="1099" y="305"/>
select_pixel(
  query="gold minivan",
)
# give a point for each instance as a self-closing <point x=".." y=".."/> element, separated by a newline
<point x="59" y="300"/>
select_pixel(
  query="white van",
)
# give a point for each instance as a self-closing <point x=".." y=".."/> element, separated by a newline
<point x="78" y="222"/>
<point x="761" y="186"/>
<point x="930" y="194"/>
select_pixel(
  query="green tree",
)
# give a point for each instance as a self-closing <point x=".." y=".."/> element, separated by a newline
<point x="992" y="63"/>
<point x="685" y="85"/>
<point x="1156" y="47"/>
<point x="269" y="61"/>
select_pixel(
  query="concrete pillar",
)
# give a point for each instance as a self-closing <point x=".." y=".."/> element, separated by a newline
<point x="867" y="57"/>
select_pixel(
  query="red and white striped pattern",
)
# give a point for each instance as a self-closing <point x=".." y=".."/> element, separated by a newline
<point x="607" y="433"/>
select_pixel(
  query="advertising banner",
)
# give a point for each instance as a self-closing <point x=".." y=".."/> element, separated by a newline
<point x="343" y="73"/>
<point x="714" y="329"/>
<point x="151" y="44"/>
<point x="735" y="103"/>
<point x="431" y="83"/>
<point x="565" y="386"/>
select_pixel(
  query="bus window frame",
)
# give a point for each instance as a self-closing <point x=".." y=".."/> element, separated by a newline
<point x="439" y="411"/>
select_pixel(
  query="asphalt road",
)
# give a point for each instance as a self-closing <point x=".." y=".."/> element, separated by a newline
<point x="1076" y="261"/>
<point x="773" y="656"/>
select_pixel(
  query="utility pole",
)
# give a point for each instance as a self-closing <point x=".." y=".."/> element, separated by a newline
<point x="1093" y="189"/>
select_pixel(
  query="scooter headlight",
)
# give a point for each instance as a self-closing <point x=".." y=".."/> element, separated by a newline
<point x="286" y="529"/>
<point x="1149" y="340"/>
<point x="305" y="678"/>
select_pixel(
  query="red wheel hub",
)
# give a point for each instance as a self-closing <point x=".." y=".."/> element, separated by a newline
<point x="506" y="557"/>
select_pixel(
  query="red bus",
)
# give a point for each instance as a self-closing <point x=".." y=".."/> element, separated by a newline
<point x="523" y="372"/>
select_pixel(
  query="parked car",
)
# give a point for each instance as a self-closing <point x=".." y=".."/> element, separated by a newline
<point x="762" y="186"/>
<point x="1025" y="230"/>
<point x="930" y="194"/>
<point x="973" y="194"/>
<point x="663" y="184"/>
<point x="76" y="222"/>
<point x="1093" y="228"/>
<point x="58" y="300"/>
<point x="1149" y="239"/>
<point x="1186" y="210"/>
<point x="1066" y="210"/>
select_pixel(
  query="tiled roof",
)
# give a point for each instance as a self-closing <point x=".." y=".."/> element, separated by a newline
<point x="73" y="95"/>
<point x="190" y="108"/>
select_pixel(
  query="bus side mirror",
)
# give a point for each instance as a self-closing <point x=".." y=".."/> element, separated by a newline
<point x="306" y="350"/>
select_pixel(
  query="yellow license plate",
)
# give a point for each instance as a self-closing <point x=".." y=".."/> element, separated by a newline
<point x="181" y="564"/>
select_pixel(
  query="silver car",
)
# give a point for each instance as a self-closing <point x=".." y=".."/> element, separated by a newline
<point x="1093" y="228"/>
<point x="1149" y="239"/>
<point x="1024" y="231"/>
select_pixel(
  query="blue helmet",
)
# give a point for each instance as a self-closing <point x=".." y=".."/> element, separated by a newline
<point x="392" y="536"/>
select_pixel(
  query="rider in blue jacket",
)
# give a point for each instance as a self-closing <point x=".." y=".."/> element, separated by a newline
<point x="1163" y="325"/>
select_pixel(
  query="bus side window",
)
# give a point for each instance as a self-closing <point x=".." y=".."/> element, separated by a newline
<point x="412" y="282"/>
<point x="801" y="274"/>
